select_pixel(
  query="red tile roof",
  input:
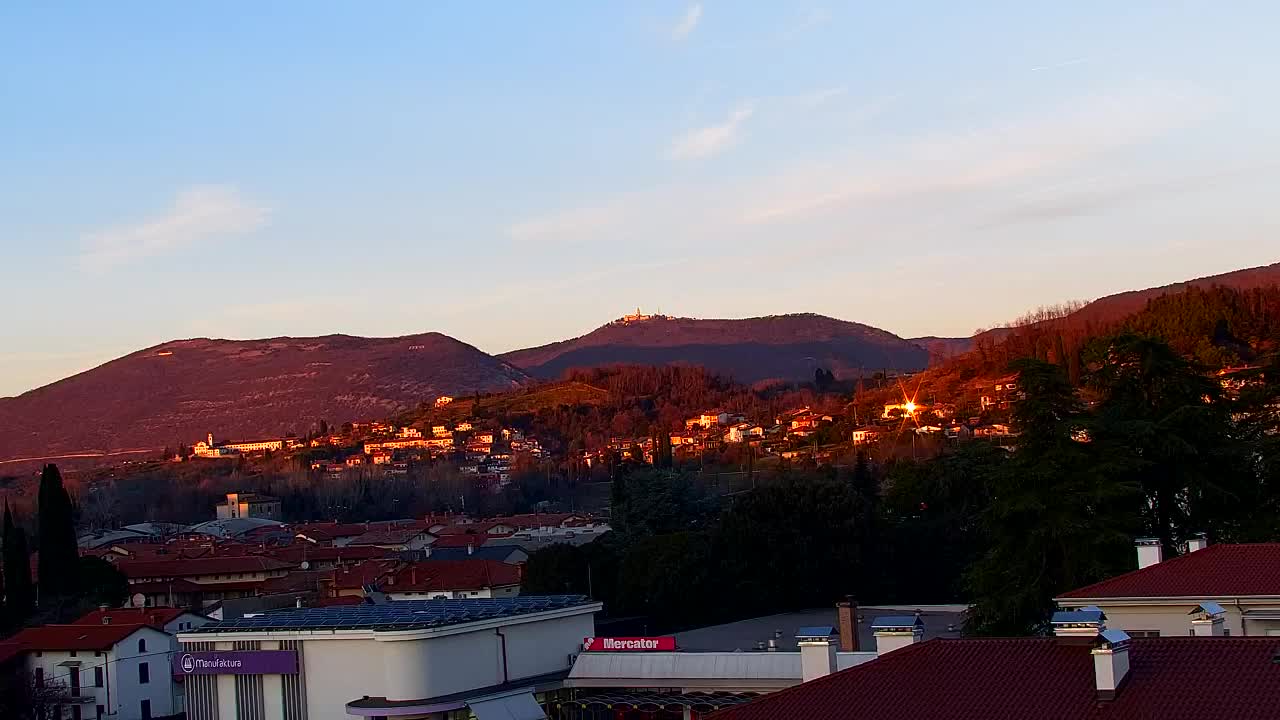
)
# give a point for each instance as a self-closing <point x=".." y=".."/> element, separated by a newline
<point x="9" y="651"/>
<point x="388" y="536"/>
<point x="156" y="617"/>
<point x="1216" y="571"/>
<point x="74" y="637"/>
<point x="300" y="551"/>
<point x="357" y="576"/>
<point x="441" y="575"/>
<point x="194" y="567"/>
<point x="1183" y="678"/>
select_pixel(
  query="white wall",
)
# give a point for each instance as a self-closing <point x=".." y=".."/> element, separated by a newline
<point x="441" y="666"/>
<point x="337" y="672"/>
<point x="543" y="647"/>
<point x="127" y="691"/>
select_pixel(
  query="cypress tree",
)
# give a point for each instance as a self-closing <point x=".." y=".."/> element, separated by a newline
<point x="59" y="559"/>
<point x="17" y="570"/>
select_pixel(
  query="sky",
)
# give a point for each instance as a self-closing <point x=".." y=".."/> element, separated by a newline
<point x="513" y="173"/>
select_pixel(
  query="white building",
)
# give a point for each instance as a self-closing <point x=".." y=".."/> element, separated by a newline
<point x="1160" y="597"/>
<point x="742" y="432"/>
<point x="111" y="671"/>
<point x="421" y="659"/>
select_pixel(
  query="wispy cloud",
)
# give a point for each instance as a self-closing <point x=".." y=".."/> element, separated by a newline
<point x="1064" y="63"/>
<point x="197" y="214"/>
<point x="712" y="139"/>
<point x="818" y="98"/>
<point x="568" y="226"/>
<point x="688" y="22"/>
<point x="811" y="19"/>
<point x="963" y="162"/>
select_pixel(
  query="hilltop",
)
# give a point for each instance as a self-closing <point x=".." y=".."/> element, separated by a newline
<point x="788" y="347"/>
<point x="177" y="391"/>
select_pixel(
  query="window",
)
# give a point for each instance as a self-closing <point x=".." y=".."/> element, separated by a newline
<point x="146" y="710"/>
<point x="75" y="682"/>
<point x="97" y="676"/>
<point x="100" y="712"/>
<point x="75" y="712"/>
<point x="1144" y="633"/>
<point x="142" y="645"/>
<point x="39" y="677"/>
<point x="144" y="673"/>
<point x="73" y="653"/>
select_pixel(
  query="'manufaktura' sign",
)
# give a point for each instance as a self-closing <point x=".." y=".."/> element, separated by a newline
<point x="236" y="662"/>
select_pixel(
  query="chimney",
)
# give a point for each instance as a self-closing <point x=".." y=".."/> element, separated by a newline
<point x="773" y="645"/>
<point x="1207" y="619"/>
<point x="894" y="632"/>
<point x="1199" y="541"/>
<point x="817" y="652"/>
<point x="1149" y="552"/>
<point x="847" y="613"/>
<point x="1078" y="627"/>
<point x="1111" y="663"/>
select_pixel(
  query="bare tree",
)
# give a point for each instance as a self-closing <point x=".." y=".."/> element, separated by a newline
<point x="23" y="698"/>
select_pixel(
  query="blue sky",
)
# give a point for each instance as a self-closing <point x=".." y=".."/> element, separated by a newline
<point x="514" y="173"/>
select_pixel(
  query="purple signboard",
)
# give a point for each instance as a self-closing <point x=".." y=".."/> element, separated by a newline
<point x="236" y="662"/>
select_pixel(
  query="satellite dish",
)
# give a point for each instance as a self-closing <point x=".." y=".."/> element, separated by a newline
<point x="138" y="600"/>
<point x="306" y="565"/>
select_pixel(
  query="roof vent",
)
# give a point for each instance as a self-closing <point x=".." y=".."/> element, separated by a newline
<point x="1207" y="619"/>
<point x="1111" y="663"/>
<point x="1078" y="625"/>
<point x="817" y="652"/>
<point x="1150" y="552"/>
<point x="894" y="632"/>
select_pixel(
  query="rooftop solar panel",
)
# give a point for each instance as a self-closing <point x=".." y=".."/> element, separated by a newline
<point x="398" y="615"/>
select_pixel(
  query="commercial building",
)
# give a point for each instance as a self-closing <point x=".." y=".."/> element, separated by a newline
<point x="422" y="659"/>
<point x="694" y="673"/>
<point x="1157" y="599"/>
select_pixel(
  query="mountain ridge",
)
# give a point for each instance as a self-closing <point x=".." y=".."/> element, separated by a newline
<point x="785" y="346"/>
<point x="178" y="390"/>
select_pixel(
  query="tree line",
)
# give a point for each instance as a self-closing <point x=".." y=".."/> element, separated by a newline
<point x="1149" y="443"/>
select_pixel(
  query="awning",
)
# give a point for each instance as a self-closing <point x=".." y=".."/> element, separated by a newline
<point x="511" y="707"/>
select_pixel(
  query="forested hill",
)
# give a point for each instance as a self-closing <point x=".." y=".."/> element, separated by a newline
<point x="1109" y="310"/>
<point x="1216" y="326"/>
<point x="787" y="347"/>
<point x="178" y="391"/>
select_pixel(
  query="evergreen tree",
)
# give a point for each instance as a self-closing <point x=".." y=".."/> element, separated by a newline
<point x="59" y="559"/>
<point x="1167" y="421"/>
<point x="1058" y="519"/>
<point x="17" y="571"/>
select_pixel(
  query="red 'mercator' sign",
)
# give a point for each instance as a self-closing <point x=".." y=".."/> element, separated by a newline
<point x="628" y="644"/>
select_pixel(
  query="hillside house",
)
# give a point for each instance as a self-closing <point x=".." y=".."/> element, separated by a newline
<point x="743" y="432"/>
<point x="248" y="505"/>
<point x="867" y="434"/>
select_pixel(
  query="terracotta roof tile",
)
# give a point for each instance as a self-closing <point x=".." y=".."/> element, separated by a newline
<point x="156" y="617"/>
<point x="1181" y="678"/>
<point x="1216" y="571"/>
<point x="74" y="637"/>
<point x="192" y="567"/>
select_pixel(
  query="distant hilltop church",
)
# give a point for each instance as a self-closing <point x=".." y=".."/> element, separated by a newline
<point x="640" y="317"/>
